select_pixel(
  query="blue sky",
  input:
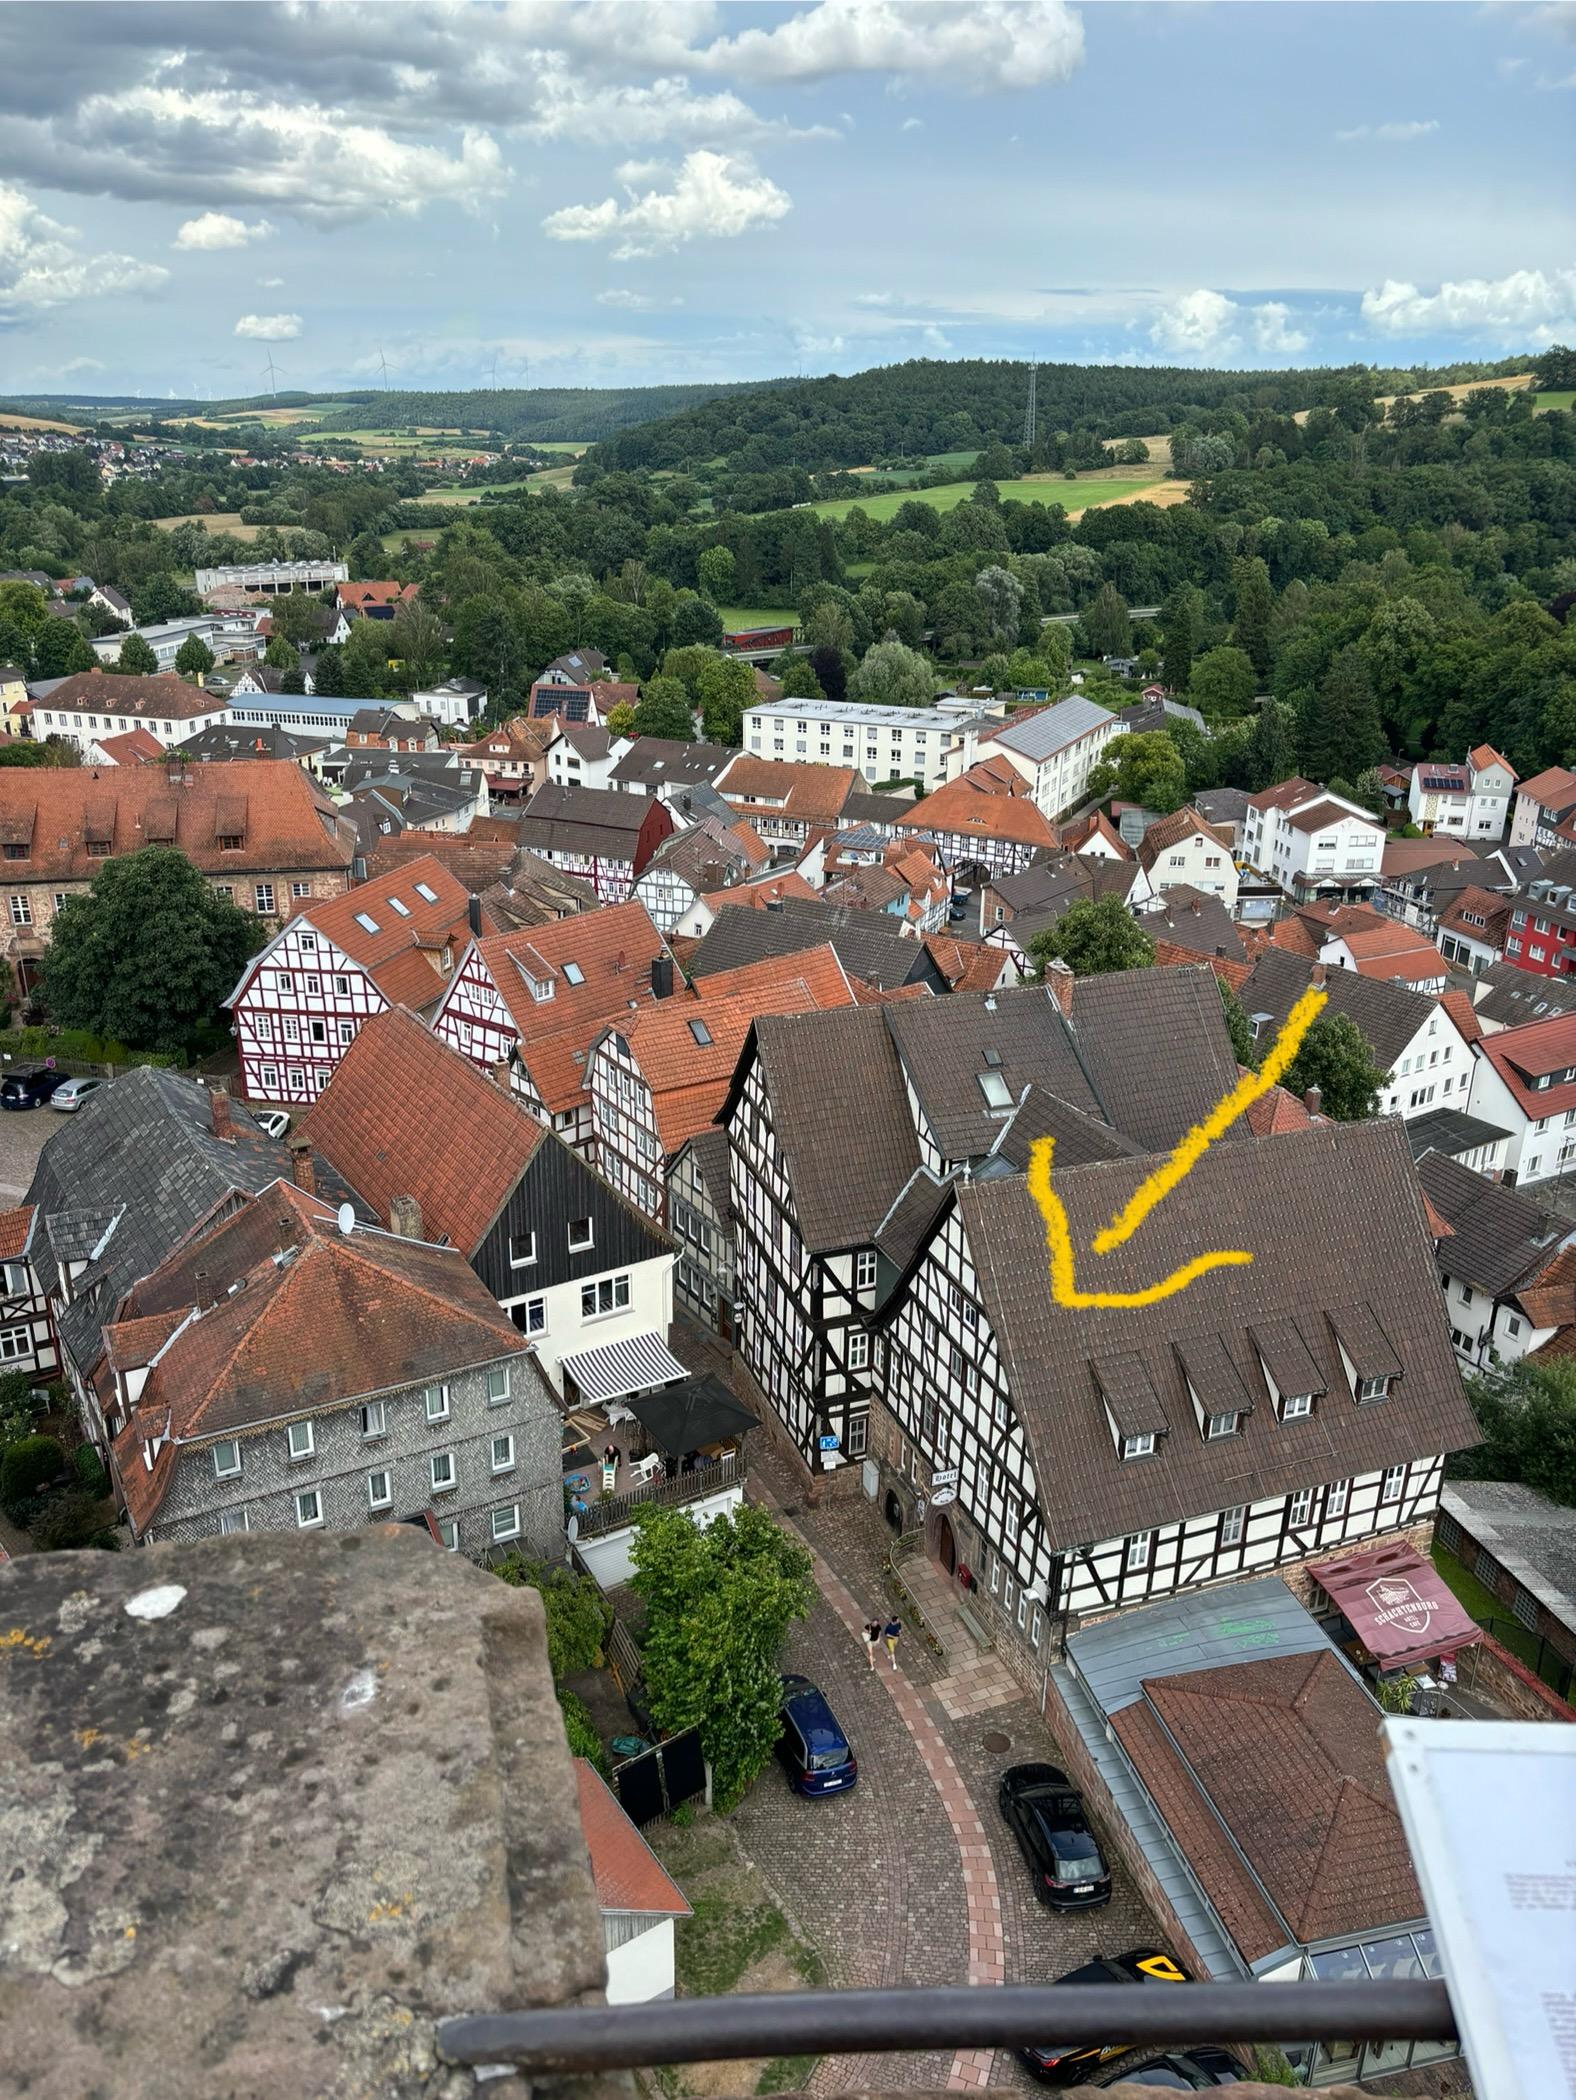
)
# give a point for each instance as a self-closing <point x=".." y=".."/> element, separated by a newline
<point x="621" y="191"/>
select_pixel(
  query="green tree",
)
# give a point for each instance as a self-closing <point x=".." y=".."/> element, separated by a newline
<point x="1271" y="746"/>
<point x="1369" y="790"/>
<point x="1179" y="624"/>
<point x="136" y="659"/>
<point x="1093" y="937"/>
<point x="194" y="659"/>
<point x="579" y="1617"/>
<point x="417" y="642"/>
<point x="1254" y="610"/>
<point x="1238" y="1026"/>
<point x="621" y="719"/>
<point x="1338" y="1059"/>
<point x="893" y="675"/>
<point x="1132" y="452"/>
<point x="719" y="1603"/>
<point x="717" y="570"/>
<point x="1527" y="1414"/>
<point x="665" y="710"/>
<point x="1147" y="769"/>
<point x="297" y="615"/>
<point x="724" y="688"/>
<point x="1339" y="729"/>
<point x="1000" y="595"/>
<point x="60" y="650"/>
<point x="281" y="655"/>
<point x="798" y="680"/>
<point x="1106" y="625"/>
<point x="1223" y="683"/>
<point x="695" y="620"/>
<point x="28" y="1466"/>
<point x="829" y="625"/>
<point x="146" y="954"/>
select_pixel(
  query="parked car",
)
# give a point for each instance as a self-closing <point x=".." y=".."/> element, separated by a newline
<point x="71" y="1093"/>
<point x="28" y="1086"/>
<point x="272" y="1122"/>
<point x="813" y="1748"/>
<point x="1046" y="1813"/>
<point x="1065" y="2064"/>
<point x="1194" y="2071"/>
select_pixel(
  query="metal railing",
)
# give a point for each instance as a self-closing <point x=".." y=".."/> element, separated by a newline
<point x="806" y="2023"/>
<point x="903" y="1548"/>
<point x="611" y="1512"/>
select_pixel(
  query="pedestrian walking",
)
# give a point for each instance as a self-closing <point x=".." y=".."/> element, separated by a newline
<point x="872" y="1640"/>
<point x="890" y="1632"/>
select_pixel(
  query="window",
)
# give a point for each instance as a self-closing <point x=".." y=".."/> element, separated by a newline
<point x="1373" y="1388"/>
<point x="1140" y="1551"/>
<point x="865" y="1270"/>
<point x="1335" y="1498"/>
<point x="1295" y="1405"/>
<point x="286" y="982"/>
<point x="1390" y="1486"/>
<point x="1513" y="1324"/>
<point x="226" y="1459"/>
<point x="582" y="1235"/>
<point x="426" y="893"/>
<point x="292" y="1031"/>
<point x="263" y="895"/>
<point x="506" y="1522"/>
<point x="436" y="1400"/>
<point x="1525" y="1607"/>
<point x="608" y="1294"/>
<point x="375" y="1419"/>
<point x="302" y="889"/>
<point x="1139" y="1446"/>
<point x="449" y="1532"/>
<point x="1220" y="1425"/>
<point x="347" y="1033"/>
<point x="379" y="1492"/>
<point x="858" y="1438"/>
<point x="1231" y="1524"/>
<point x="269" y="1078"/>
<point x="573" y="974"/>
<point x="366" y="922"/>
<point x="402" y="909"/>
<point x="309" y="1508"/>
<point x="15" y="1342"/>
<point x="1299" y="1508"/>
<point x="234" y="1520"/>
<point x="531" y="1317"/>
<point x="226" y="890"/>
<point x="497" y="1383"/>
<point x="342" y="987"/>
<point x="441" y="1470"/>
<point x="858" y="1349"/>
<point x="522" y="1249"/>
<point x="300" y="1439"/>
<point x="502" y="1453"/>
<point x="319" y="1031"/>
<point x="701" y="1033"/>
<point x="314" y="986"/>
<point x="21" y="911"/>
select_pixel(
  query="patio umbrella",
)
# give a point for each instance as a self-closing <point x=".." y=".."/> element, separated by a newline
<point x="683" y="1417"/>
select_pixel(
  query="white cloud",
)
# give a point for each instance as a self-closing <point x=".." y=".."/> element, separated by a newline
<point x="40" y="267"/>
<point x="1393" y="134"/>
<point x="634" y="302"/>
<point x="75" y="365"/>
<point x="715" y="196"/>
<point x="1272" y="332"/>
<point x="269" y="284"/>
<point x="974" y="45"/>
<point x="1528" y="306"/>
<point x="634" y="172"/>
<point x="269" y="328"/>
<point x="566" y="105"/>
<point x="217" y="229"/>
<point x="912" y="124"/>
<point x="1203" y="325"/>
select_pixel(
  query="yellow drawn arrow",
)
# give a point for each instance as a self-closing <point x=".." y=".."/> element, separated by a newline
<point x="1058" y="1235"/>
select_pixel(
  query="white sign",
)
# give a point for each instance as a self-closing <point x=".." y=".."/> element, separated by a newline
<point x="1397" y="1603"/>
<point x="939" y="1497"/>
<point x="946" y="1478"/>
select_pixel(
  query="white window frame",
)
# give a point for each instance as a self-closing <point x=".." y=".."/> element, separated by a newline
<point x="865" y="1270"/>
<point x="506" y="1463"/>
<point x="386" y="1499"/>
<point x="234" y="1520"/>
<point x="297" y="1450"/>
<point x="1140" y="1446"/>
<point x="315" y="1497"/>
<point x="858" y="1441"/>
<point x="615" y="1288"/>
<point x="1336" y="1497"/>
<point x="374" y="1419"/>
<point x="1233" y="1525"/>
<point x="582" y="1246"/>
<point x="1296" y="1407"/>
<point x="526" y="1260"/>
<point x="227" y="1472"/>
<point x="435" y="1403"/>
<point x="1387" y="1494"/>
<point x="1138" y="1554"/>
<point x="1299" y="1509"/>
<point x="511" y="1529"/>
<point x="1217" y="1426"/>
<point x="1373" y="1389"/>
<point x="497" y="1384"/>
<point x="535" y="1310"/>
<point x="858" y="1349"/>
<point x="449" y="1533"/>
<point x="442" y="1460"/>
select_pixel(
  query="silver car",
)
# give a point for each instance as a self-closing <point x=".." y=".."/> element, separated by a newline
<point x="71" y="1093"/>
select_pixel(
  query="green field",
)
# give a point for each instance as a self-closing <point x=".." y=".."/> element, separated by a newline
<point x="1546" y="403"/>
<point x="1083" y="494"/>
<point x="474" y="491"/>
<point x="734" y="617"/>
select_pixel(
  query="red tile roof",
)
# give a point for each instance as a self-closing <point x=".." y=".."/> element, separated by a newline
<point x="131" y="747"/>
<point x="968" y="966"/>
<point x="1283" y="794"/>
<point x="1458" y="1004"/>
<point x="361" y="595"/>
<point x="1553" y="789"/>
<point x="403" y="949"/>
<point x="627" y="1873"/>
<point x="759" y="895"/>
<point x="1484" y="755"/>
<point x="810" y="794"/>
<point x="404" y="1114"/>
<point x="1520" y="1055"/>
<point x="284" y="821"/>
<point x="160" y="698"/>
<point x="977" y="805"/>
<point x="1077" y="836"/>
<point x="14" y="1228"/>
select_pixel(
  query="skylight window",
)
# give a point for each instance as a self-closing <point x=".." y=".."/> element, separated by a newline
<point x="430" y="895"/>
<point x="701" y="1033"/>
<point x="365" y="920"/>
<point x="573" y="974"/>
<point x="402" y="909"/>
<point x="995" y="1089"/>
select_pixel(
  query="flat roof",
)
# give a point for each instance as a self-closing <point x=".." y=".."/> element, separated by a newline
<point x="854" y="711"/>
<point x="1199" y="1630"/>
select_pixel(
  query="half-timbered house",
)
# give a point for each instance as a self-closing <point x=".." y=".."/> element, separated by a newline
<point x="1081" y="1458"/>
<point x="596" y="833"/>
<point x="683" y="876"/>
<point x="869" y="946"/>
<point x="787" y="803"/>
<point x="660" y="1074"/>
<point x="985" y="819"/>
<point x="536" y="1000"/>
<point x="301" y="1002"/>
<point x="701" y="1221"/>
<point x="27" y="1334"/>
<point x="572" y="1264"/>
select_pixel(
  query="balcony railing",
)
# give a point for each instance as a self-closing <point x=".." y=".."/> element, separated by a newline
<point x="612" y="1512"/>
<point x="806" y="2023"/>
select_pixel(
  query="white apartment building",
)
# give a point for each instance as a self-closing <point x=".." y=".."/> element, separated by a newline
<point x="1054" y="748"/>
<point x="883" y="743"/>
<point x="1468" y="802"/>
<point x="1312" y="843"/>
<point x="227" y="636"/>
<point x="271" y="577"/>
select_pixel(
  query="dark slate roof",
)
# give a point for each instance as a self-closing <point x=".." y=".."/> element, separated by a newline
<point x="1335" y="1222"/>
<point x="232" y="740"/>
<point x="141" y="1158"/>
<point x="947" y="1046"/>
<point x="599" y="821"/>
<point x="867" y="946"/>
<point x="1447" y="1130"/>
<point x="1192" y="919"/>
<point x="658" y="761"/>
<point x="1527" y="1533"/>
<point x="1080" y="1139"/>
<point x="1389" y="1015"/>
<point x="1155" y="1046"/>
<point x="709" y="1150"/>
<point x="1499" y="1237"/>
<point x="1507" y="997"/>
<point x="907" y="1224"/>
<point x="840" y="1118"/>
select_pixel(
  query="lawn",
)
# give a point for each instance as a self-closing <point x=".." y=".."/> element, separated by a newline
<point x="1082" y="494"/>
<point x="734" y="617"/>
<point x="1480" y="1603"/>
<point x="1545" y="404"/>
<point x="472" y="492"/>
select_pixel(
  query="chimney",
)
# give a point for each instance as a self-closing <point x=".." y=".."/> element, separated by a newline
<point x="662" y="976"/>
<point x="473" y="915"/>
<point x="1312" y="1100"/>
<point x="1058" y="982"/>
<point x="219" y="1109"/>
<point x="405" y="1217"/>
<point x="302" y="1170"/>
<point x="500" y="1073"/>
<point x="203" y="1291"/>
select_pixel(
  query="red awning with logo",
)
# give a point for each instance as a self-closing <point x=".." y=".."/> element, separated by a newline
<point x="1399" y="1606"/>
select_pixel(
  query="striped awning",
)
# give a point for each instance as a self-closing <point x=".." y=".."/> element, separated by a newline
<point x="616" y="1369"/>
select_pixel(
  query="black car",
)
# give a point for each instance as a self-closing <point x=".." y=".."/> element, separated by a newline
<point x="28" y="1086"/>
<point x="815" y="1752"/>
<point x="1196" y="2071"/>
<point x="1046" y="1813"/>
<point x="1066" y="2063"/>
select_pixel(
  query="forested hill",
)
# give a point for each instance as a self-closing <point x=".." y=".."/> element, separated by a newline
<point x="928" y="407"/>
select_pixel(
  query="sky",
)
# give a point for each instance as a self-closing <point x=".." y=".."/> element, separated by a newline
<point x="614" y="192"/>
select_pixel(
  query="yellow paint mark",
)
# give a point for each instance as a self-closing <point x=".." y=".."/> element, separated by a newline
<point x="380" y="1913"/>
<point x="1058" y="1234"/>
<point x="136" y="1746"/>
<point x="87" y="1737"/>
<point x="19" y="1637"/>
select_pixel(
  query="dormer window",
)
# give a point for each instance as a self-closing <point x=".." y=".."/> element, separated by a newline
<point x="1142" y="1446"/>
<point x="1221" y="1425"/>
<point x="1295" y="1405"/>
<point x="1372" y="1389"/>
<point x="541" y="989"/>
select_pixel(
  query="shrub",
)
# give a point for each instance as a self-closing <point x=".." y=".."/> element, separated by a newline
<point x="72" y="1519"/>
<point x="580" y="1731"/>
<point x="91" y="1473"/>
<point x="28" y="1466"/>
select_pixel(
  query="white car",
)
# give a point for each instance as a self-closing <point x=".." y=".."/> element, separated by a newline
<point x="71" y="1093"/>
<point x="272" y="1122"/>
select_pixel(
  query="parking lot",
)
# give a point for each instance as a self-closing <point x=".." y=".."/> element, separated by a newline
<point x="22" y="1136"/>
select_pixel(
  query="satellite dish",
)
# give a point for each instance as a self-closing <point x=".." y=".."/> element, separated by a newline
<point x="572" y="1528"/>
<point x="347" y="1218"/>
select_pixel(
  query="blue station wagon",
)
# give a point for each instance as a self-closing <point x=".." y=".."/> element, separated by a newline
<point x="813" y="1748"/>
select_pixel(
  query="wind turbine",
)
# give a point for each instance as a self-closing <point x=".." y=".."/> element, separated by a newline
<point x="383" y="366"/>
<point x="273" y="376"/>
<point x="495" y="371"/>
